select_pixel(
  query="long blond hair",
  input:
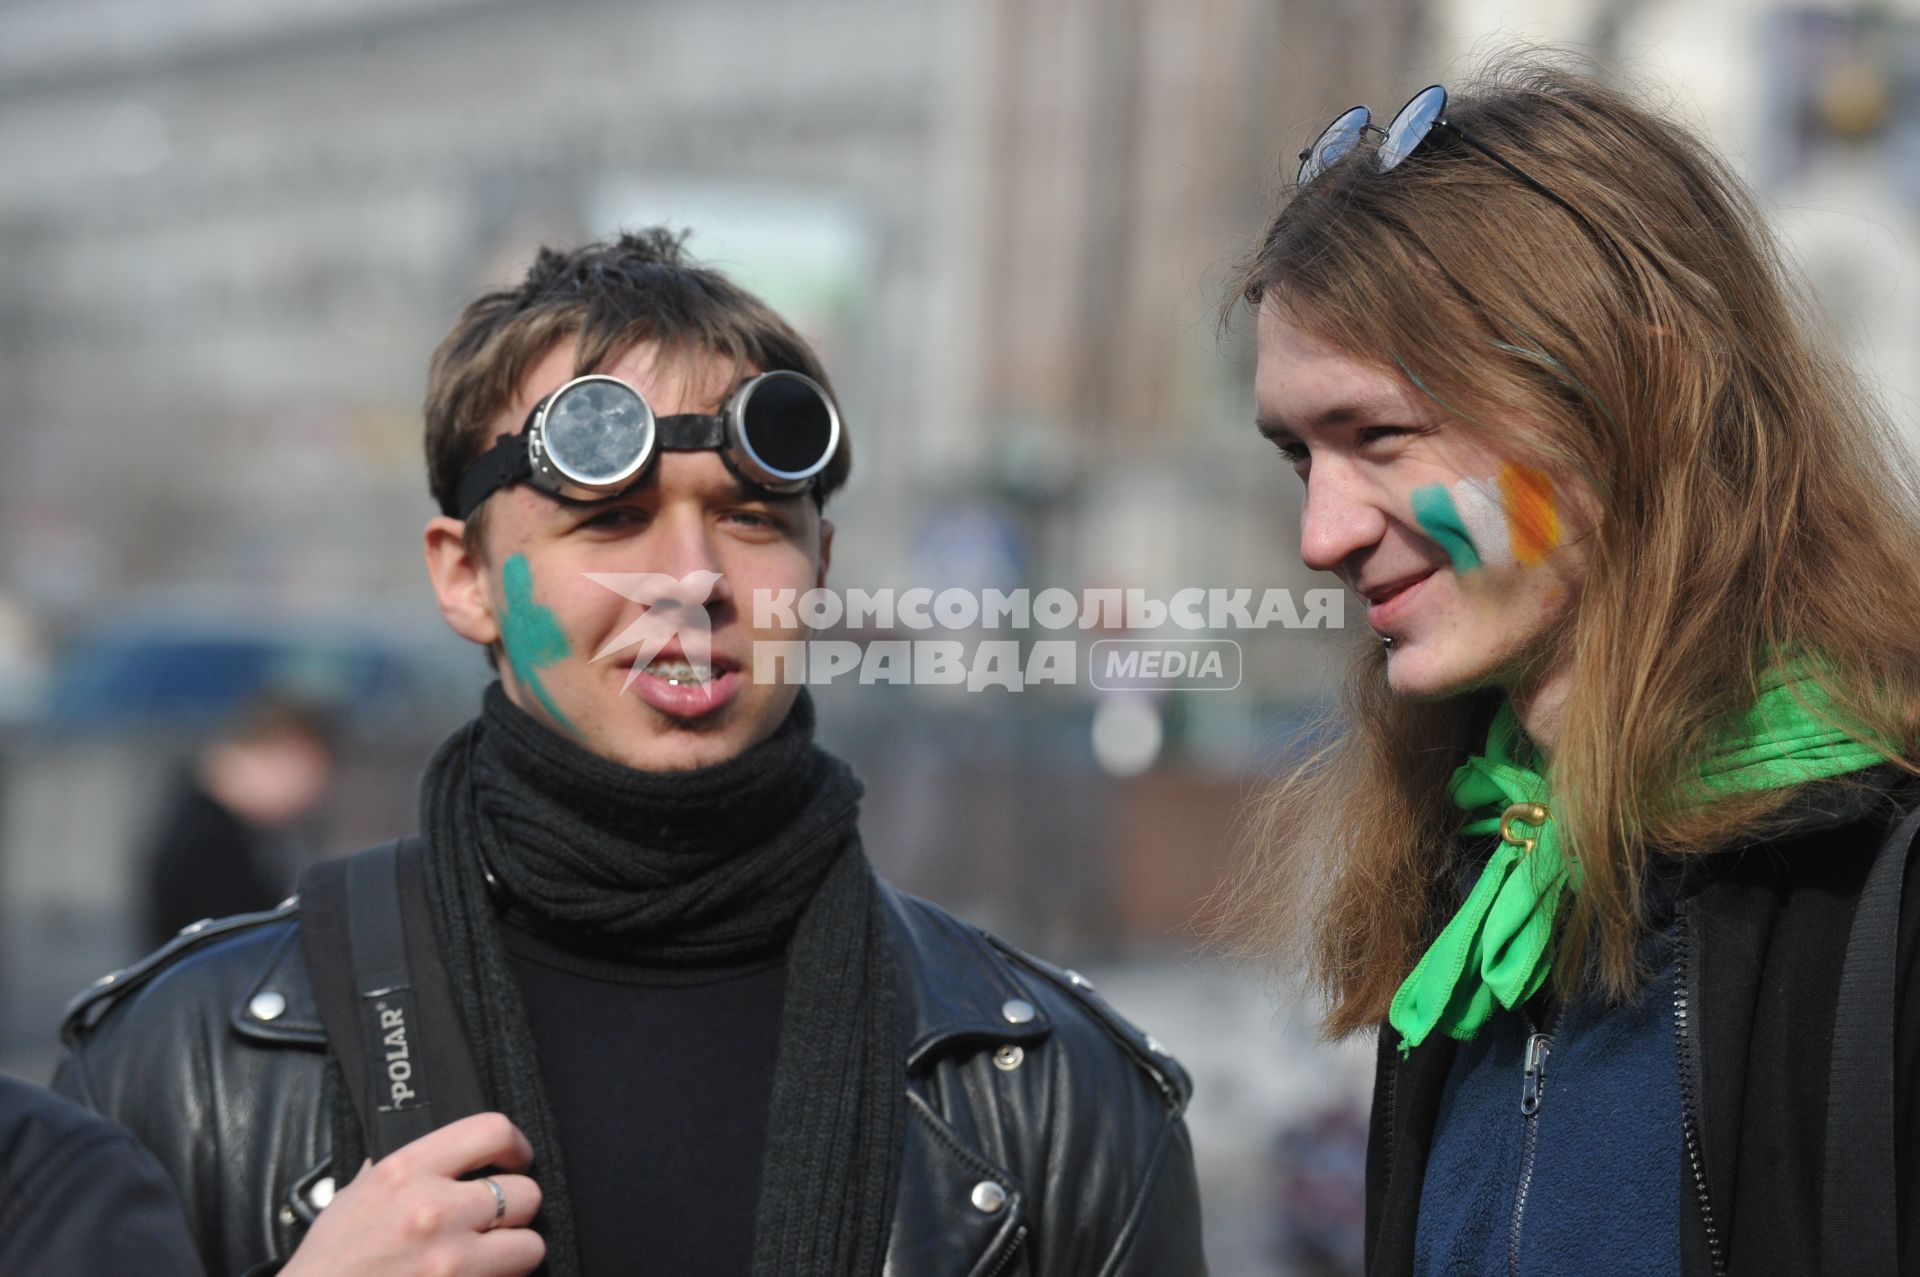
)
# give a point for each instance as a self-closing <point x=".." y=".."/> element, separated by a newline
<point x="1754" y="502"/>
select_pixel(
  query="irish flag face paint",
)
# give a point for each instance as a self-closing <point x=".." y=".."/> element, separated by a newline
<point x="1502" y="520"/>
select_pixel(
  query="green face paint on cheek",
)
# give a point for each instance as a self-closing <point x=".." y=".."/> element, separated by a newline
<point x="1434" y="511"/>
<point x="531" y="634"/>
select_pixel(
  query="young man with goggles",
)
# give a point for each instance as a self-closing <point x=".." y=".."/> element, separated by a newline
<point x="685" y="1028"/>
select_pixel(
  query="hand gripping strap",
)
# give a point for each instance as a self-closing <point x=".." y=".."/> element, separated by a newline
<point x="1859" y="1216"/>
<point x="383" y="995"/>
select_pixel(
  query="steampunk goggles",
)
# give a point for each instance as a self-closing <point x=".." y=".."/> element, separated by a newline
<point x="596" y="437"/>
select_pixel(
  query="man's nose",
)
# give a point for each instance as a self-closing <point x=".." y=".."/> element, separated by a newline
<point x="1342" y="516"/>
<point x="684" y="548"/>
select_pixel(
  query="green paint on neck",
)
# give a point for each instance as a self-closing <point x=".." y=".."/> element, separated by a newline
<point x="1436" y="514"/>
<point x="531" y="634"/>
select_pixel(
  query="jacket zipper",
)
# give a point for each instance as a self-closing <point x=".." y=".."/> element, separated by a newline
<point x="1007" y="1255"/>
<point x="1533" y="1082"/>
<point x="1392" y="1106"/>
<point x="1683" y="1004"/>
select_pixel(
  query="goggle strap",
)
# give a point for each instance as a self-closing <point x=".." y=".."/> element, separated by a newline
<point x="505" y="463"/>
<point x="689" y="432"/>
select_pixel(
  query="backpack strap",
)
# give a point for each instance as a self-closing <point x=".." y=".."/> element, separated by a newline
<point x="1859" y="1214"/>
<point x="383" y="994"/>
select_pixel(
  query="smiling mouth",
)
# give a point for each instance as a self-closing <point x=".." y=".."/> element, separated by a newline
<point x="1377" y="597"/>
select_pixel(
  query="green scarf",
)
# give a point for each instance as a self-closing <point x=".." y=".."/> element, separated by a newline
<point x="1497" y="950"/>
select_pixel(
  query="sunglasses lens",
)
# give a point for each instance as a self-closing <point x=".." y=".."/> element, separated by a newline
<point x="788" y="427"/>
<point x="598" y="432"/>
<point x="1334" y="144"/>
<point x="1410" y="128"/>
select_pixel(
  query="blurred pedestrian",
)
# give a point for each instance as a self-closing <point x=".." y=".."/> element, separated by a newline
<point x="1610" y="843"/>
<point x="213" y="854"/>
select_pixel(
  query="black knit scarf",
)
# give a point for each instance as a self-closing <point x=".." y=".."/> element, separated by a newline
<point x="663" y="867"/>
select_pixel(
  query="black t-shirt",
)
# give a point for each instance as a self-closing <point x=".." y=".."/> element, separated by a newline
<point x="660" y="1080"/>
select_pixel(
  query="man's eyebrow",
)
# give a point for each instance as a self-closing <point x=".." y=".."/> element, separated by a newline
<point x="1333" y="415"/>
<point x="743" y="492"/>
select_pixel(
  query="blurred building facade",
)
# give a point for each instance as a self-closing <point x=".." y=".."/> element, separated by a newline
<point x="229" y="239"/>
<point x="232" y="239"/>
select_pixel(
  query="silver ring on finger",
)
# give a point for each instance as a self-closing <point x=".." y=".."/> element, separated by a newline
<point x="499" y="1204"/>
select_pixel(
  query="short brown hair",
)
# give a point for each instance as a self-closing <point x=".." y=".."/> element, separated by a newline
<point x="604" y="297"/>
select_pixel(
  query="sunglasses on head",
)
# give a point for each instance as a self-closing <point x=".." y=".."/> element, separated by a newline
<point x="1424" y="115"/>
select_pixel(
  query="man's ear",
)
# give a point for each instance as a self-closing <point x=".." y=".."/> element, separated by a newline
<point x="460" y="582"/>
<point x="826" y="552"/>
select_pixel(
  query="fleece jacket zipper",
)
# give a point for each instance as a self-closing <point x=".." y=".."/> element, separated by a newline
<point x="1685" y="1003"/>
<point x="1533" y="1084"/>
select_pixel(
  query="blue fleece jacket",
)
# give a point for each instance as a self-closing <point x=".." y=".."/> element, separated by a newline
<point x="1590" y="1182"/>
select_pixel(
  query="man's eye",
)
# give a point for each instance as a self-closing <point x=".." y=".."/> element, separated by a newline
<point x="1381" y="434"/>
<point x="1295" y="453"/>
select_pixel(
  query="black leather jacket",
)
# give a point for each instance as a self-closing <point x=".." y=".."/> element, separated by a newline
<point x="1019" y="1076"/>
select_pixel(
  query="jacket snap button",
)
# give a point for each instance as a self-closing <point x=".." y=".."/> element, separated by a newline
<point x="1017" y="1011"/>
<point x="320" y="1196"/>
<point x="1079" y="981"/>
<point x="1153" y="1045"/>
<point x="267" y="1006"/>
<point x="988" y="1197"/>
<point x="1008" y="1058"/>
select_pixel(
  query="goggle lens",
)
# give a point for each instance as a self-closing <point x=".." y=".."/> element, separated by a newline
<point x="788" y="426"/>
<point x="599" y="431"/>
